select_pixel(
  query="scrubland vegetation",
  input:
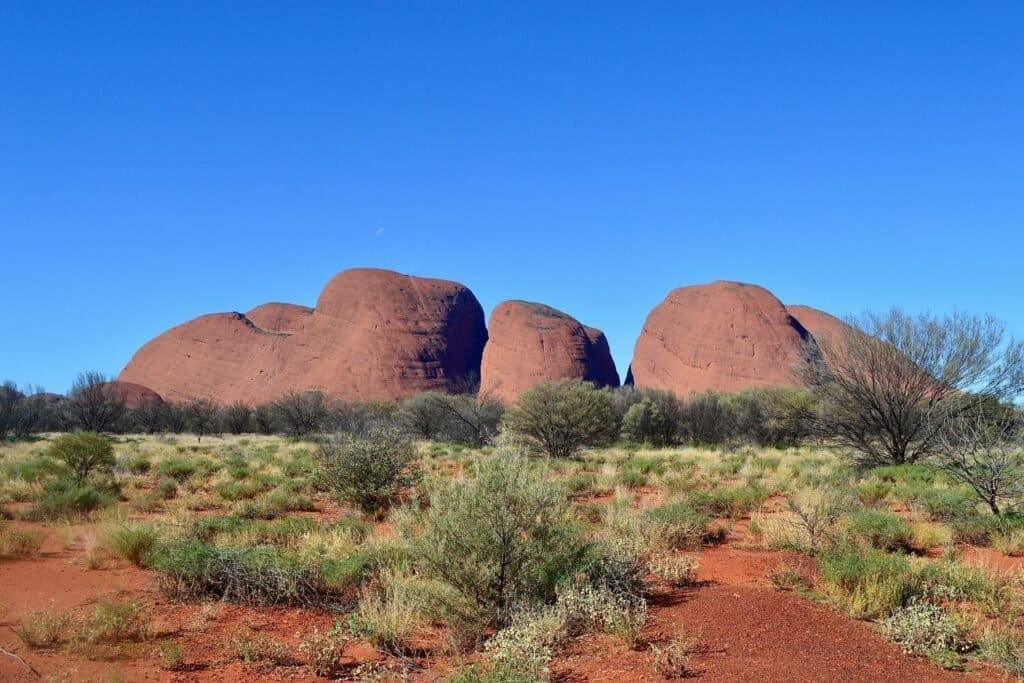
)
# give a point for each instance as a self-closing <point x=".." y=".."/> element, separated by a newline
<point x="450" y="536"/>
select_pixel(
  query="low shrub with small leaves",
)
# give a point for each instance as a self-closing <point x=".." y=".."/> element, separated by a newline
<point x="324" y="650"/>
<point x="676" y="570"/>
<point x="260" y="649"/>
<point x="880" y="529"/>
<point x="869" y="583"/>
<point x="1005" y="649"/>
<point x="132" y="541"/>
<point x="18" y="542"/>
<point x="923" y="628"/>
<point x="368" y="472"/>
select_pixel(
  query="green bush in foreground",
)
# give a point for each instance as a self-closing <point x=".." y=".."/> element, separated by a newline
<point x="922" y="628"/>
<point x="869" y="584"/>
<point x="500" y="539"/>
<point x="368" y="472"/>
<point x="557" y="419"/>
<point x="84" y="453"/>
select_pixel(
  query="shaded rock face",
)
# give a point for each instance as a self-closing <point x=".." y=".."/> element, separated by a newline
<point x="131" y="394"/>
<point x="530" y="343"/>
<point x="826" y="329"/>
<point x="374" y="335"/>
<point x="723" y="336"/>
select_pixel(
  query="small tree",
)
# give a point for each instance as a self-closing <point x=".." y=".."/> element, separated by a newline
<point x="706" y="419"/>
<point x="471" y="420"/>
<point x="237" y="418"/>
<point x="176" y="417"/>
<point x="10" y="407"/>
<point x="84" y="453"/>
<point x="986" y="452"/>
<point x="560" y="418"/>
<point x="887" y="386"/>
<point x="301" y="412"/>
<point x="95" y="405"/>
<point x="648" y="415"/>
<point x="150" y="415"/>
<point x="423" y="415"/>
<point x="263" y="417"/>
<point x="202" y="417"/>
<point x="500" y="539"/>
<point x="368" y="472"/>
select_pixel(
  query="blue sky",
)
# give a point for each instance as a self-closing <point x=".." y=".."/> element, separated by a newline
<point x="159" y="161"/>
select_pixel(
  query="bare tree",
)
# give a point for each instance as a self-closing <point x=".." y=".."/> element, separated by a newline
<point x="237" y="418"/>
<point x="985" y="450"/>
<point x="10" y="408"/>
<point x="95" y="405"/>
<point x="301" y="412"/>
<point x="202" y="417"/>
<point x="175" y="417"/>
<point x="887" y="386"/>
<point x="150" y="415"/>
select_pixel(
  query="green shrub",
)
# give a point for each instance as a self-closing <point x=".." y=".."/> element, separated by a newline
<point x="922" y="628"/>
<point x="631" y="479"/>
<point x="369" y="472"/>
<point x="559" y="418"/>
<point x="324" y="650"/>
<point x="167" y="488"/>
<point x="870" y="583"/>
<point x="581" y="484"/>
<point x="880" y="529"/>
<point x="981" y="530"/>
<point x="84" y="453"/>
<point x="236" y="490"/>
<point x="872" y="493"/>
<point x="177" y="467"/>
<point x="1004" y="648"/>
<point x="729" y="502"/>
<point x="192" y="570"/>
<point x="64" y="500"/>
<point x="133" y="541"/>
<point x="675" y="525"/>
<point x="940" y="504"/>
<point x="137" y="464"/>
<point x="18" y="543"/>
<point x="500" y="539"/>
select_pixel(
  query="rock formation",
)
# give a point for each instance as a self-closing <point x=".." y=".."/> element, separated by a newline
<point x="828" y="331"/>
<point x="530" y="343"/>
<point x="374" y="335"/>
<point x="724" y="336"/>
<point x="131" y="394"/>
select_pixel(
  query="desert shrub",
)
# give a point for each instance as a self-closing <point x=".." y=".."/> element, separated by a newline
<point x="706" y="419"/>
<point x="43" y="628"/>
<point x="631" y="479"/>
<point x="84" y="453"/>
<point x="324" y="650"/>
<point x="260" y="650"/>
<point x="192" y="570"/>
<point x="676" y="570"/>
<point x="729" y="502"/>
<point x="137" y="464"/>
<point x="388" y="614"/>
<point x="581" y="484"/>
<point x="36" y="469"/>
<point x="368" y="472"/>
<point x="559" y="418"/>
<point x="938" y="503"/>
<point x="1004" y="648"/>
<point x="869" y="583"/>
<point x="1009" y="542"/>
<point x="63" y="500"/>
<point x="872" y="493"/>
<point x="982" y="529"/>
<point x="172" y="658"/>
<point x="671" y="660"/>
<point x="675" y="525"/>
<point x="19" y="543"/>
<point x="905" y="474"/>
<point x="654" y="419"/>
<point x="880" y="529"/>
<point x="176" y="467"/>
<point x="114" y="622"/>
<point x="956" y="581"/>
<point x="526" y="646"/>
<point x="500" y="539"/>
<point x="237" y="490"/>
<point x="167" y="488"/>
<point x="922" y="628"/>
<point x="132" y="541"/>
<point x="774" y="417"/>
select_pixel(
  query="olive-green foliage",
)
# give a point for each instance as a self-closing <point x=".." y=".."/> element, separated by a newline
<point x="922" y="628"/>
<point x="559" y="418"/>
<point x="262" y="575"/>
<point x="368" y="472"/>
<point x="63" y="500"/>
<point x="133" y="541"/>
<point x="731" y="502"/>
<point x="500" y="539"/>
<point x="647" y="422"/>
<point x="981" y="530"/>
<point x="869" y="583"/>
<point x="880" y="529"/>
<point x="84" y="453"/>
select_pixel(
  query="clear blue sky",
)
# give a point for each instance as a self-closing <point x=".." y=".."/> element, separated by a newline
<point x="159" y="161"/>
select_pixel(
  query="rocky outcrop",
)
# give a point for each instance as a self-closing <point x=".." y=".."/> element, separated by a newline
<point x="530" y="343"/>
<point x="374" y="335"/>
<point x="131" y="394"/>
<point x="828" y="331"/>
<point x="723" y="336"/>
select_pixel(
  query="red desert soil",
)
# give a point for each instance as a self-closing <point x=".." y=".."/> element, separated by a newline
<point x="747" y="630"/>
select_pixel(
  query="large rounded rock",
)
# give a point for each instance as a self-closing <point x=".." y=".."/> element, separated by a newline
<point x="723" y="336"/>
<point x="530" y="343"/>
<point x="131" y="394"/>
<point x="828" y="331"/>
<point x="374" y="335"/>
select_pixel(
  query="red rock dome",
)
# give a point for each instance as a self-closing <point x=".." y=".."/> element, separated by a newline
<point x="374" y="335"/>
<point x="724" y="336"/>
<point x="530" y="343"/>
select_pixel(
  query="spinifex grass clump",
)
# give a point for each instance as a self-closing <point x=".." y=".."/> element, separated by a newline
<point x="869" y="584"/>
